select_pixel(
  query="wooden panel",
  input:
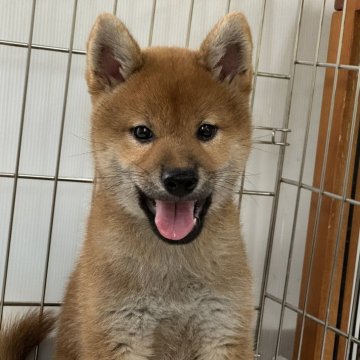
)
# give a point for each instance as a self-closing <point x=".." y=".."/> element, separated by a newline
<point x="339" y="4"/>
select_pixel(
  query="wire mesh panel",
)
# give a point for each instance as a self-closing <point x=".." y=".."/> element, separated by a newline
<point x="300" y="193"/>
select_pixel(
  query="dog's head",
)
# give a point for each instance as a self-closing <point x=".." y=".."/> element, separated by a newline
<point x="170" y="127"/>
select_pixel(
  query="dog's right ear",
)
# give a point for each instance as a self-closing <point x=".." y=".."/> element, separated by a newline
<point x="112" y="54"/>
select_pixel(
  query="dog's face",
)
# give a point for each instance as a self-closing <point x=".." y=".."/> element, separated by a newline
<point x="171" y="127"/>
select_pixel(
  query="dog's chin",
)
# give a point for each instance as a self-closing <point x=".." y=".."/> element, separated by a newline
<point x="200" y="208"/>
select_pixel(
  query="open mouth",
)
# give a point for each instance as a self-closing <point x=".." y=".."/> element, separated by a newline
<point x="177" y="222"/>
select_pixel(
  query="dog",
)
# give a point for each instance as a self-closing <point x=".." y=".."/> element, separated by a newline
<point x="163" y="273"/>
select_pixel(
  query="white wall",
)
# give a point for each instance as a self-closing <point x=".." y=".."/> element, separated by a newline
<point x="44" y="110"/>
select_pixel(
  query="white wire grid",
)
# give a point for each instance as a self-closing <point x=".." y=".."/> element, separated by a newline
<point x="278" y="137"/>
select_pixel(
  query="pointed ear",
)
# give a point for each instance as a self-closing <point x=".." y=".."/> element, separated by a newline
<point x="112" y="54"/>
<point x="227" y="49"/>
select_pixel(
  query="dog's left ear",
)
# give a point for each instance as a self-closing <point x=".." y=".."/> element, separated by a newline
<point x="227" y="49"/>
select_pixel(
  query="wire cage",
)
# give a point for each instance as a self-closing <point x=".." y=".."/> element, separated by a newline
<point x="299" y="196"/>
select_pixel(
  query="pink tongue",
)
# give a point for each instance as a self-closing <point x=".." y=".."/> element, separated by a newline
<point x="174" y="220"/>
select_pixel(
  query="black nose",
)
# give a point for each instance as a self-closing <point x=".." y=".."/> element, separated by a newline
<point x="179" y="182"/>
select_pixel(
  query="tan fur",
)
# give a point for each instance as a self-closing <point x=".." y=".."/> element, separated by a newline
<point x="132" y="295"/>
<point x="19" y="338"/>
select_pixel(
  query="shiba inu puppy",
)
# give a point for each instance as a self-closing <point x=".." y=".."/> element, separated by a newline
<point x="163" y="273"/>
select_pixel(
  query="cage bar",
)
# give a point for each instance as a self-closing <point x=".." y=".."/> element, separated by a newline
<point x="20" y="137"/>
<point x="278" y="182"/>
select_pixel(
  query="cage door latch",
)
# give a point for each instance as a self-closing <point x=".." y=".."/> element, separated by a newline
<point x="277" y="136"/>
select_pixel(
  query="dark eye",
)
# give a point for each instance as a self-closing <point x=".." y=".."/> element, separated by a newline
<point x="142" y="133"/>
<point x="206" y="132"/>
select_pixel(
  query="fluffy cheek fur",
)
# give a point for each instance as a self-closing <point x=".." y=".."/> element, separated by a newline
<point x="115" y="172"/>
<point x="228" y="176"/>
